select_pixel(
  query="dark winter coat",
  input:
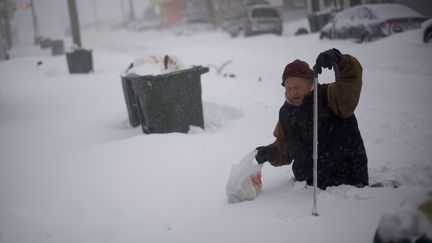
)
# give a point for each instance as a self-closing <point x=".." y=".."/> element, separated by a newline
<point x="341" y="154"/>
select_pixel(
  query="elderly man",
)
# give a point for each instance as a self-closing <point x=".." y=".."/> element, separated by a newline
<point x="342" y="157"/>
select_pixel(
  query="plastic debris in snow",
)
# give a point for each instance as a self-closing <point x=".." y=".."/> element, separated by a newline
<point x="244" y="182"/>
<point x="155" y="65"/>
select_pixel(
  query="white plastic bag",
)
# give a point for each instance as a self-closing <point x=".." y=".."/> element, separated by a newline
<point x="242" y="183"/>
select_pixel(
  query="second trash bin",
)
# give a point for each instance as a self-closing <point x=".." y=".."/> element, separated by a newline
<point x="169" y="102"/>
<point x="80" y="61"/>
<point x="318" y="20"/>
<point x="57" y="47"/>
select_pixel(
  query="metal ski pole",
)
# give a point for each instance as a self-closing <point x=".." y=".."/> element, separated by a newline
<point x="315" y="144"/>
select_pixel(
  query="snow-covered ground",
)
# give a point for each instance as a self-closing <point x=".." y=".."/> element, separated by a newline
<point x="73" y="170"/>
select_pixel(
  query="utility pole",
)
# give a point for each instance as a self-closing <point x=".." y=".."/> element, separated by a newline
<point x="74" y="23"/>
<point x="3" y="32"/>
<point x="5" y="22"/>
<point x="36" y="35"/>
<point x="6" y="13"/>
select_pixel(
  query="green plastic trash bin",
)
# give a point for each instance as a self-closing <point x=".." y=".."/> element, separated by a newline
<point x="80" y="61"/>
<point x="131" y="102"/>
<point x="57" y="47"/>
<point x="170" y="102"/>
<point x="318" y="20"/>
<point x="45" y="43"/>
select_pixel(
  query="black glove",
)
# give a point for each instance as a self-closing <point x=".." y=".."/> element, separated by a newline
<point x="327" y="59"/>
<point x="266" y="153"/>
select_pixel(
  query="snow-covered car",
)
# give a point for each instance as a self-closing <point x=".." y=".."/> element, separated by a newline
<point x="193" y="26"/>
<point x="369" y="22"/>
<point x="255" y="19"/>
<point x="427" y="31"/>
<point x="143" y="25"/>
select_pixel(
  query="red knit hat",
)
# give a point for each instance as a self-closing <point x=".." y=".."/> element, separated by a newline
<point x="298" y="69"/>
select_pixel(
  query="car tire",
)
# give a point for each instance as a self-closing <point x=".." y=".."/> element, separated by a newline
<point x="365" y="38"/>
<point x="324" y="36"/>
<point x="233" y="34"/>
<point x="321" y="36"/>
<point x="428" y="36"/>
<point x="301" y="31"/>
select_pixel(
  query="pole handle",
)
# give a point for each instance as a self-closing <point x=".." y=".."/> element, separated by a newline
<point x="315" y="145"/>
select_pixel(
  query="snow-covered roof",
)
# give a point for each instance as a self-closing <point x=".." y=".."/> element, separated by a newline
<point x="380" y="11"/>
<point x="390" y="11"/>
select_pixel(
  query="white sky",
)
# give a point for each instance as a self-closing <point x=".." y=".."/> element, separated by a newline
<point x="53" y="16"/>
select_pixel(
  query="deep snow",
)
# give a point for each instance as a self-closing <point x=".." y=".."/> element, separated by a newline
<point x="73" y="170"/>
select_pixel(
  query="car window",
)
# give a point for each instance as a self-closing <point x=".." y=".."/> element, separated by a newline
<point x="264" y="12"/>
<point x="362" y="13"/>
<point x="346" y="14"/>
<point x="391" y="11"/>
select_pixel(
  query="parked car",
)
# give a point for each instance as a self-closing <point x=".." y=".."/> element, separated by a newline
<point x="427" y="31"/>
<point x="193" y="26"/>
<point x="369" y="22"/>
<point x="143" y="25"/>
<point x="255" y="19"/>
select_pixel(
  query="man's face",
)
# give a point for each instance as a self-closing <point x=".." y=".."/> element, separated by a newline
<point x="296" y="89"/>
